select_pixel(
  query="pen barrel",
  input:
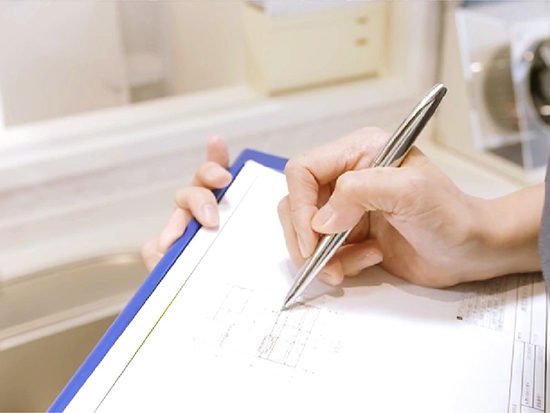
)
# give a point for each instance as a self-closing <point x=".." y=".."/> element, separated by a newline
<point x="328" y="246"/>
<point x="397" y="147"/>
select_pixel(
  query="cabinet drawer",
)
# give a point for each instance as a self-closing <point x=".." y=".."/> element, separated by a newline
<point x="291" y="52"/>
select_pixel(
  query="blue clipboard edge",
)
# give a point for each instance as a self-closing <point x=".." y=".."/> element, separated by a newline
<point x="155" y="277"/>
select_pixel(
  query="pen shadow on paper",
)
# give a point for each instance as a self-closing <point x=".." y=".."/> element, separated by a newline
<point x="378" y="292"/>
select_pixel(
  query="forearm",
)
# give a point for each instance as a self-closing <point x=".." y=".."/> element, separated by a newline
<point x="509" y="229"/>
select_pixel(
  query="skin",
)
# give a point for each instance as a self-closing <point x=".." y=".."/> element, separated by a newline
<point x="196" y="200"/>
<point x="412" y="220"/>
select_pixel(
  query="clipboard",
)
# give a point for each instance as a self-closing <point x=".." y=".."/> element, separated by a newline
<point x="232" y="322"/>
<point x="149" y="285"/>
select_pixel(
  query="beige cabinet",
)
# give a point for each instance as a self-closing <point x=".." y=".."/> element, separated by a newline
<point x="289" y="52"/>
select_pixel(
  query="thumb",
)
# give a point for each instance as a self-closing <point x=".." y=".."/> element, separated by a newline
<point x="377" y="189"/>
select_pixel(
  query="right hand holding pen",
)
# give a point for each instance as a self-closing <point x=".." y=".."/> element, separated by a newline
<point x="413" y="219"/>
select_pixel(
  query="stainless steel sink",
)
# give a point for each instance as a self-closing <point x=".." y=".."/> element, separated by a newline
<point x="50" y="321"/>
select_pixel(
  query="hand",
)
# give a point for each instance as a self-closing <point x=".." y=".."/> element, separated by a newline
<point x="196" y="201"/>
<point x="412" y="220"/>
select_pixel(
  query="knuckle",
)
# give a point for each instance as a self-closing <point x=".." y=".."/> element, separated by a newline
<point x="148" y="249"/>
<point x="297" y="164"/>
<point x="291" y="166"/>
<point x="182" y="194"/>
<point x="282" y="206"/>
<point x="371" y="131"/>
<point x="201" y="169"/>
<point x="178" y="195"/>
<point x="145" y="251"/>
<point x="346" y="184"/>
<point x="417" y="186"/>
<point x="375" y="174"/>
<point x="192" y="196"/>
<point x="371" y="139"/>
<point x="367" y="134"/>
<point x="207" y="172"/>
<point x="418" y="182"/>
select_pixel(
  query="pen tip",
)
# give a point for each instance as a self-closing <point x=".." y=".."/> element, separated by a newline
<point x="289" y="303"/>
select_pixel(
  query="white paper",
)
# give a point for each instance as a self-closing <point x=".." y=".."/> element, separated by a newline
<point x="211" y="337"/>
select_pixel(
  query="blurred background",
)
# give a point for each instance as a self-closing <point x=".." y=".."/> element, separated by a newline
<point x="105" y="108"/>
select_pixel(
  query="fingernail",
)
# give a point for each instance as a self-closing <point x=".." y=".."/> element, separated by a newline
<point x="210" y="215"/>
<point x="228" y="177"/>
<point x="327" y="277"/>
<point x="376" y="258"/>
<point x="212" y="173"/>
<point x="370" y="259"/>
<point x="322" y="216"/>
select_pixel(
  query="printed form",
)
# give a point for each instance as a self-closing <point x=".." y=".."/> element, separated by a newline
<point x="211" y="337"/>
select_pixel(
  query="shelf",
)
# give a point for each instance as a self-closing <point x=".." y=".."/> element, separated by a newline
<point x="92" y="141"/>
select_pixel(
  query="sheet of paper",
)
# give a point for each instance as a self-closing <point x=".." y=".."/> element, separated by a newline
<point x="211" y="337"/>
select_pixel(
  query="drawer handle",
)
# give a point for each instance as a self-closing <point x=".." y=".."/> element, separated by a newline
<point x="362" y="20"/>
<point x="362" y="41"/>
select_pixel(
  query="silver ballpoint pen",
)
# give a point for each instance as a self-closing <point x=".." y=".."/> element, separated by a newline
<point x="392" y="154"/>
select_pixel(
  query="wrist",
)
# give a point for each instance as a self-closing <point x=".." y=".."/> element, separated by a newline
<point x="505" y="232"/>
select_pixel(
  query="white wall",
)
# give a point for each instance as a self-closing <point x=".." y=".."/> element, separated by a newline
<point x="59" y="58"/>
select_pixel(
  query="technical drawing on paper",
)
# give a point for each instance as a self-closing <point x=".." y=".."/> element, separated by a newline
<point x="484" y="303"/>
<point x="289" y="338"/>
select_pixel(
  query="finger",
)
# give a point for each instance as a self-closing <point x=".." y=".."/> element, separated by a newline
<point x="318" y="167"/>
<point x="325" y="192"/>
<point x="151" y="256"/>
<point x="217" y="151"/>
<point x="202" y="204"/>
<point x="360" y="232"/>
<point x="173" y="230"/>
<point x="291" y="240"/>
<point x="155" y="248"/>
<point x="416" y="158"/>
<point x="350" y="261"/>
<point x="211" y="175"/>
<point x="391" y="190"/>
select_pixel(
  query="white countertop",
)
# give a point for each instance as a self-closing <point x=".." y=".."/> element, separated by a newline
<point x="468" y="176"/>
